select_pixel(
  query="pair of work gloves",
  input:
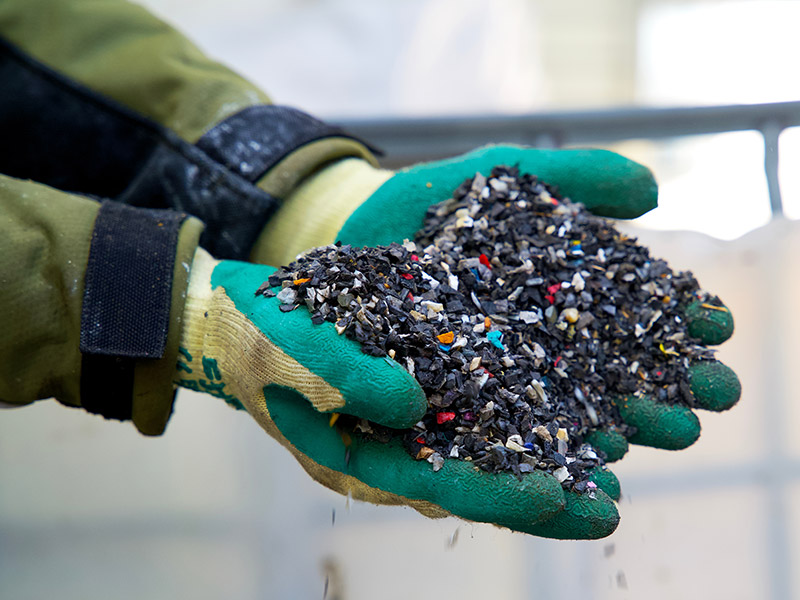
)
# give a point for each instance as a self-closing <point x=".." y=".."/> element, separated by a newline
<point x="290" y="374"/>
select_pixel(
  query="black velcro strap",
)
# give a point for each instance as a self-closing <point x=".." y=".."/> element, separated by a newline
<point x="181" y="176"/>
<point x="257" y="138"/>
<point x="126" y="301"/>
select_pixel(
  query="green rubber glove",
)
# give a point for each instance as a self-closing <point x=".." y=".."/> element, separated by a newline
<point x="287" y="373"/>
<point x="608" y="185"/>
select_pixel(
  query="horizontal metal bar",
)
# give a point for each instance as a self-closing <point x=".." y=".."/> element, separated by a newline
<point x="411" y="139"/>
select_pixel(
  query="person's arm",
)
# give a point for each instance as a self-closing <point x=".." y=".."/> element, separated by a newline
<point x="100" y="97"/>
<point x="91" y="300"/>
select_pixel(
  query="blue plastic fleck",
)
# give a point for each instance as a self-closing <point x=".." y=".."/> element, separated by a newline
<point x="475" y="272"/>
<point x="445" y="347"/>
<point x="495" y="337"/>
<point x="529" y="446"/>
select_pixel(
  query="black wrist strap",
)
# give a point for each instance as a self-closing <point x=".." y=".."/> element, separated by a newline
<point x="257" y="138"/>
<point x="126" y="302"/>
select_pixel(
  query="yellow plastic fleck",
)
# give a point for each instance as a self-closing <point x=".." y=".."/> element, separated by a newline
<point x="712" y="307"/>
<point x="301" y="281"/>
<point x="671" y="352"/>
<point x="429" y="185"/>
<point x="333" y="419"/>
<point x="487" y="322"/>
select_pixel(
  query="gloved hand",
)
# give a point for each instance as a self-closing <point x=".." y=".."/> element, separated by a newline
<point x="287" y="373"/>
<point x="359" y="205"/>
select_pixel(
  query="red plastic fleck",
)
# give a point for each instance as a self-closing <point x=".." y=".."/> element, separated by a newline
<point x="406" y="276"/>
<point x="484" y="260"/>
<point x="444" y="417"/>
<point x="414" y="257"/>
<point x="557" y="360"/>
<point x="553" y="288"/>
<point x="420" y="440"/>
<point x="550" y="298"/>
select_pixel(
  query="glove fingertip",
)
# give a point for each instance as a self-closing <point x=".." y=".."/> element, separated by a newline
<point x="607" y="481"/>
<point x="393" y="398"/>
<point x="669" y="427"/>
<point x="589" y="516"/>
<point x="610" y="442"/>
<point x="708" y="322"/>
<point x="715" y="385"/>
<point x="611" y="185"/>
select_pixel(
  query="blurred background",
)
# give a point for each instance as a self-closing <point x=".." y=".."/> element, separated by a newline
<point x="215" y="508"/>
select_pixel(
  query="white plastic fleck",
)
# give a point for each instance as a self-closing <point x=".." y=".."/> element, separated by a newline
<point x="561" y="474"/>
<point x="287" y="296"/>
<point x="530" y="317"/>
<point x="514" y="442"/>
<point x="437" y="460"/>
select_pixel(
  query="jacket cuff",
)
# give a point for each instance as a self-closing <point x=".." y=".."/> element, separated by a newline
<point x="130" y="316"/>
<point x="153" y="387"/>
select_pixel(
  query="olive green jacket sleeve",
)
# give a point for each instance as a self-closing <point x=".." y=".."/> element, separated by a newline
<point x="121" y="51"/>
<point x="45" y="237"/>
<point x="118" y="51"/>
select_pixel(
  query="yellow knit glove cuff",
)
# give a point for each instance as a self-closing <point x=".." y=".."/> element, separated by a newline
<point x="314" y="213"/>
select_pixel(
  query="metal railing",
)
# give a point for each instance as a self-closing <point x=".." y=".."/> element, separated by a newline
<point x="406" y="141"/>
